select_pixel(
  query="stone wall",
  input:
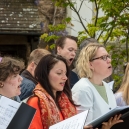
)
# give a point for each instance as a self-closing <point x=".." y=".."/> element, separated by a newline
<point x="50" y="14"/>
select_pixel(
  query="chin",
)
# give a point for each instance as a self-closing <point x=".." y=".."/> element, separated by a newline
<point x="18" y="93"/>
<point x="60" y="90"/>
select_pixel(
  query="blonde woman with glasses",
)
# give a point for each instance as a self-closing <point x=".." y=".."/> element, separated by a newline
<point x="91" y="92"/>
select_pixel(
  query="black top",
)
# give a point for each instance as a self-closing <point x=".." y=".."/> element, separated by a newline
<point x="73" y="78"/>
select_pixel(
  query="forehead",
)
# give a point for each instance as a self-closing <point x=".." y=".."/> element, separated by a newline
<point x="101" y="51"/>
<point x="70" y="43"/>
<point x="60" y="65"/>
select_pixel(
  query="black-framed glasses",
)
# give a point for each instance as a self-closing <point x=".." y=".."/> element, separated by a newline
<point x="104" y="57"/>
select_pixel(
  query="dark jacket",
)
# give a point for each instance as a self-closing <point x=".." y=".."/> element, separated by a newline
<point x="28" y="85"/>
<point x="73" y="78"/>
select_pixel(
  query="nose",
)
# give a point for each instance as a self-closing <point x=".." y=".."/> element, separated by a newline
<point x="109" y="60"/>
<point x="65" y="77"/>
<point x="73" y="53"/>
<point x="20" y="78"/>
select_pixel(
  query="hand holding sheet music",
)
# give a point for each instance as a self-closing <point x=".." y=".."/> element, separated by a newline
<point x="124" y="111"/>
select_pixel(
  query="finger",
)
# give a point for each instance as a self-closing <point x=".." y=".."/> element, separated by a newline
<point x="115" y="117"/>
<point x="104" y="123"/>
<point x="110" y="120"/>
<point x="88" y="127"/>
<point x="119" y="116"/>
<point x="119" y="121"/>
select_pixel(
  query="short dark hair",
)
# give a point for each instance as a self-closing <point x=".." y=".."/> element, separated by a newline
<point x="10" y="66"/>
<point x="85" y="42"/>
<point x="42" y="71"/>
<point x="61" y="41"/>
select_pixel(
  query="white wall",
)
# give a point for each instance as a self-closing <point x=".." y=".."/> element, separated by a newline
<point x="86" y="14"/>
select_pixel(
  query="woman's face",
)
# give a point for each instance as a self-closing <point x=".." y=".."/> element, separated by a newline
<point x="68" y="51"/>
<point x="101" y="68"/>
<point x="11" y="86"/>
<point x="57" y="77"/>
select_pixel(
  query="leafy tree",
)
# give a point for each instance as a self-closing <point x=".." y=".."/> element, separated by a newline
<point x="111" y="29"/>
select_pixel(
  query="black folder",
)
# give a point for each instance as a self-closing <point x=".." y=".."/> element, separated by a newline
<point x="124" y="111"/>
<point x="15" y="115"/>
<point x="22" y="118"/>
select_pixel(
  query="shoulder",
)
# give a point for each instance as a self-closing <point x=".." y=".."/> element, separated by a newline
<point x="73" y="75"/>
<point x="33" y="101"/>
<point x="118" y="94"/>
<point x="26" y="81"/>
<point x="119" y="99"/>
<point x="83" y="85"/>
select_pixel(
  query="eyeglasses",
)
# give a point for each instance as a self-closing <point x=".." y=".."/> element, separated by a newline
<point x="104" y="57"/>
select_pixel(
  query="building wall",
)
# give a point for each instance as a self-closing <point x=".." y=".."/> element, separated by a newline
<point x="86" y="12"/>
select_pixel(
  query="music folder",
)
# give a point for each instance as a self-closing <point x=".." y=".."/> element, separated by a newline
<point x="123" y="110"/>
<point x="15" y="115"/>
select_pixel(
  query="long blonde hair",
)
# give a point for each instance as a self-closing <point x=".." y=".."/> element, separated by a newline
<point x="83" y="61"/>
<point x="124" y="88"/>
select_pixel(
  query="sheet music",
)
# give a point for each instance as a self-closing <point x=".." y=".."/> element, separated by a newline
<point x="75" y="122"/>
<point x="8" y="108"/>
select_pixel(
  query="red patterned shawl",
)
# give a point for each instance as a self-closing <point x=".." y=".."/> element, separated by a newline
<point x="49" y="112"/>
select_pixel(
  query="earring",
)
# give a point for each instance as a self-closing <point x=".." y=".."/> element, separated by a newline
<point x="1" y="85"/>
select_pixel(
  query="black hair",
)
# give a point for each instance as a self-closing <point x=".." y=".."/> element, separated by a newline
<point x="61" y="41"/>
<point x="41" y="74"/>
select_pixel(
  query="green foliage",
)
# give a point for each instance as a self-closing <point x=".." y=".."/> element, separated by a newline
<point x="55" y="31"/>
<point x="111" y="29"/>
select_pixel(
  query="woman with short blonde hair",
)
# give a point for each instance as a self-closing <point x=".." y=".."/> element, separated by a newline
<point x="91" y="92"/>
<point x="82" y="63"/>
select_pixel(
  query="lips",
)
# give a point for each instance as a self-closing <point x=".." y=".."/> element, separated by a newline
<point x="62" y="83"/>
<point x="19" y="86"/>
<point x="70" y="60"/>
<point x="109" y="67"/>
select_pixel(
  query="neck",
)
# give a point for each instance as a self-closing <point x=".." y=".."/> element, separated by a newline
<point x="96" y="81"/>
<point x="4" y="94"/>
<point x="29" y="69"/>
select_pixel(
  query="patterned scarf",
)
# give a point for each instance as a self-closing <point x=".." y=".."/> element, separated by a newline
<point x="49" y="111"/>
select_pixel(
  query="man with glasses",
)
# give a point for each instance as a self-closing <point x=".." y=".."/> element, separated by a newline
<point x="29" y="82"/>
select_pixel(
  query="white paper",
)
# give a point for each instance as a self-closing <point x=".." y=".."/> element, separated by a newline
<point x="75" y="122"/>
<point x="8" y="108"/>
<point x="111" y="84"/>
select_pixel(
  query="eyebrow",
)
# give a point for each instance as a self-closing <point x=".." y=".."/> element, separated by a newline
<point x="61" y="70"/>
<point x="72" y="48"/>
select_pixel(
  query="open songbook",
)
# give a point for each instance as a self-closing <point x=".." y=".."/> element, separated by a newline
<point x="124" y="111"/>
<point x="15" y="115"/>
<point x="78" y="121"/>
<point x="75" y="122"/>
